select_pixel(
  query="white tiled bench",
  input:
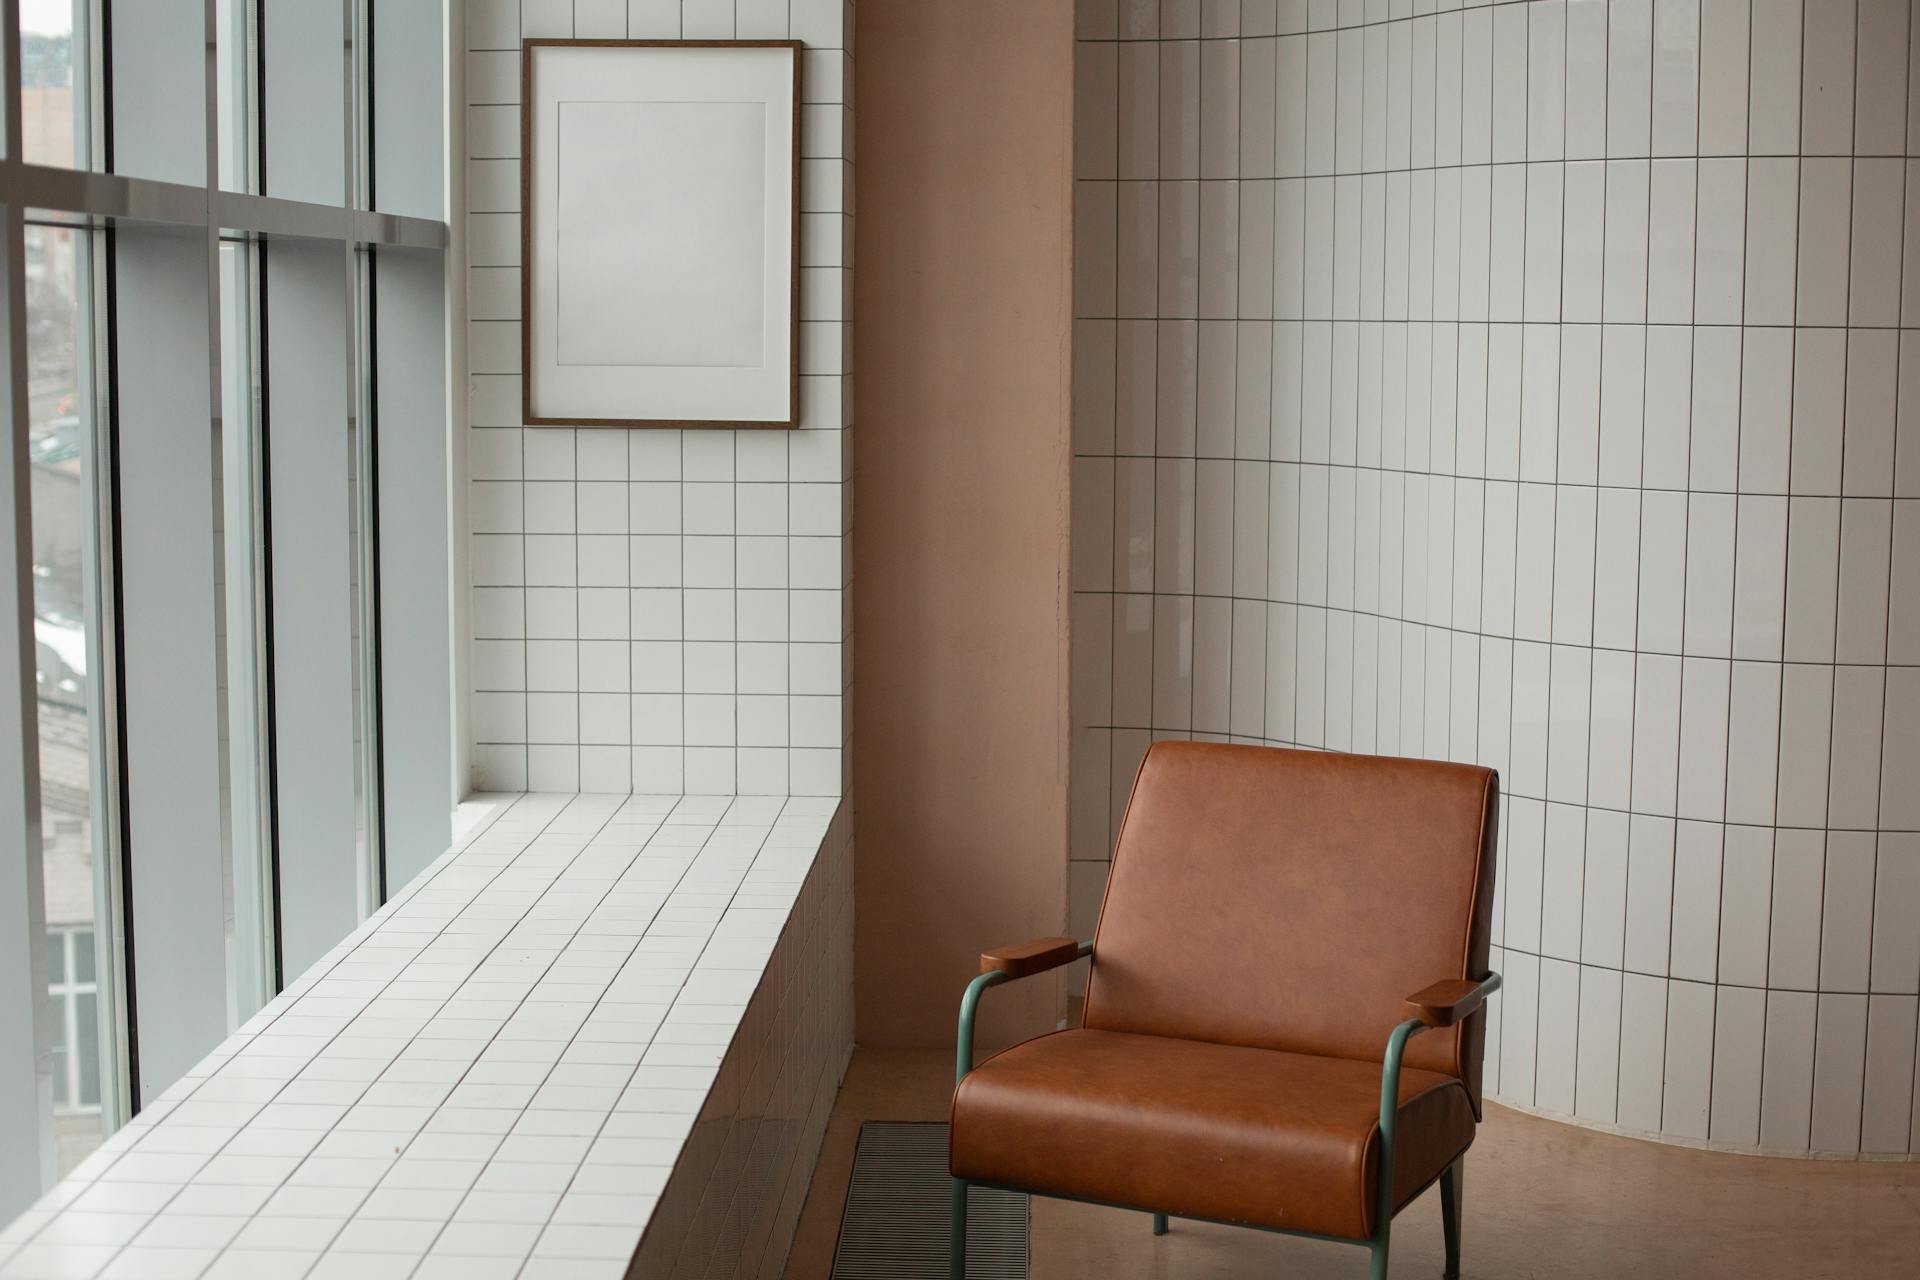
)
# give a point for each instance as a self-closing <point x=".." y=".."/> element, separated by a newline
<point x="599" y="1038"/>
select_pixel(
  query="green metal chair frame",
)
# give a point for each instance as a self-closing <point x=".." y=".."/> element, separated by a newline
<point x="1450" y="1177"/>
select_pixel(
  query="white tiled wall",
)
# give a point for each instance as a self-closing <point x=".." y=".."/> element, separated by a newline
<point x="1530" y="383"/>
<point x="659" y="611"/>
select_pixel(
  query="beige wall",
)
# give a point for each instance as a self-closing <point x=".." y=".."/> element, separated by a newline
<point x="962" y="309"/>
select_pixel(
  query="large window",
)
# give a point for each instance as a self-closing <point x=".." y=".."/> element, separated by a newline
<point x="203" y="412"/>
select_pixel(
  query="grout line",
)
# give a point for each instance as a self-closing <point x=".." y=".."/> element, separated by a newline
<point x="1786" y="580"/>
<point x="1840" y="556"/>
<point x="1471" y="632"/>
<point x="1913" y="1047"/>
<point x="1735" y="492"/>
<point x="1687" y="664"/>
<point x="1726" y="772"/>
<point x="1192" y="541"/>
<point x="1593" y="612"/>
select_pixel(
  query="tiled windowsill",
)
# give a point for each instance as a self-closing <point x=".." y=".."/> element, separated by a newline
<point x="493" y="1077"/>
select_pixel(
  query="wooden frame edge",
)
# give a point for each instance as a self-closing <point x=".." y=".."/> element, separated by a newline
<point x="527" y="416"/>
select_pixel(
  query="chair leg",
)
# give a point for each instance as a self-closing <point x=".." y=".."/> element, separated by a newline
<point x="957" y="1239"/>
<point x="1159" y="1224"/>
<point x="1379" y="1252"/>
<point x="1451" y="1186"/>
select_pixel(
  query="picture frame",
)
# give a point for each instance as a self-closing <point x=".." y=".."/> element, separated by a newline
<point x="660" y="233"/>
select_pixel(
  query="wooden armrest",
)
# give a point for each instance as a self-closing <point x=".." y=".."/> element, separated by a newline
<point x="1445" y="1004"/>
<point x="1030" y="957"/>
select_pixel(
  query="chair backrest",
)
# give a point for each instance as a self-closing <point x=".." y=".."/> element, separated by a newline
<point x="1293" y="899"/>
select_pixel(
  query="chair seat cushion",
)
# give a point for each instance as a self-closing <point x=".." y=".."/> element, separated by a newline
<point x="1202" y="1130"/>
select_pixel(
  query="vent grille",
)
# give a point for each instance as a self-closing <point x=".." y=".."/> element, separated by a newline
<point x="898" y="1206"/>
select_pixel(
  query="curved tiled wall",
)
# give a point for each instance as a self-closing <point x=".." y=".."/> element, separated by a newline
<point x="1526" y="383"/>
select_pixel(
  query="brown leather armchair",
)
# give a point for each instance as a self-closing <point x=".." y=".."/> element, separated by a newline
<point x="1247" y="1051"/>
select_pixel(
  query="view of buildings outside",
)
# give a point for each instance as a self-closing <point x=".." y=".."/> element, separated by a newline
<point x="59" y="406"/>
<point x="62" y="498"/>
<point x="47" y="99"/>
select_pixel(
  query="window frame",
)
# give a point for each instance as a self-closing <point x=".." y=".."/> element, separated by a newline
<point x="65" y="992"/>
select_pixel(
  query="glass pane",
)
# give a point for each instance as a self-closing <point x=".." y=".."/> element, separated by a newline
<point x="86" y="1038"/>
<point x="60" y="436"/>
<point x="56" y="959"/>
<point x="303" y="152"/>
<point x="232" y="67"/>
<point x="254" y="978"/>
<point x="53" y="78"/>
<point x="82" y="957"/>
<point x="61" y="1057"/>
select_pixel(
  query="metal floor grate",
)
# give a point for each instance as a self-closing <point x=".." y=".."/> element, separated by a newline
<point x="898" y="1207"/>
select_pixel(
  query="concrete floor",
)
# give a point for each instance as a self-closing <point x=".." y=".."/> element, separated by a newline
<point x="1542" y="1200"/>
